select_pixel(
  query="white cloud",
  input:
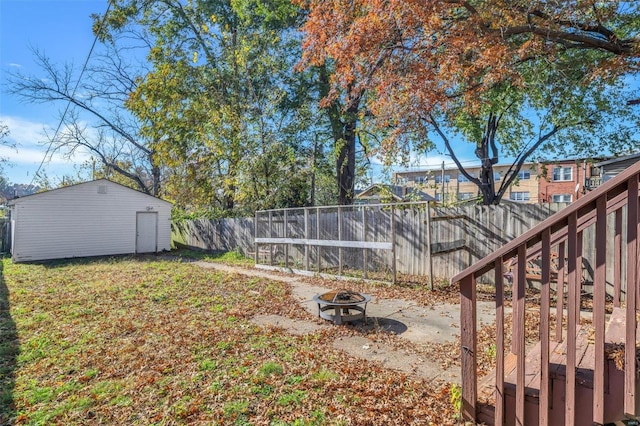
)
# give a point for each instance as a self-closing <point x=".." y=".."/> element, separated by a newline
<point x="30" y="149"/>
<point x="31" y="143"/>
<point x="23" y="132"/>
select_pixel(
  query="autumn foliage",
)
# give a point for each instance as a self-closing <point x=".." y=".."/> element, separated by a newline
<point x="417" y="56"/>
<point x="438" y="68"/>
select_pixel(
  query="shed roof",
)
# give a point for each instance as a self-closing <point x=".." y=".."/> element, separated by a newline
<point x="64" y="188"/>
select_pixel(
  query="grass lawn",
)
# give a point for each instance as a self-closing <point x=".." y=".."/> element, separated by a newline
<point x="151" y="341"/>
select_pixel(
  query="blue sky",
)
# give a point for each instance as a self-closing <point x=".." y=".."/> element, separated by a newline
<point x="62" y="30"/>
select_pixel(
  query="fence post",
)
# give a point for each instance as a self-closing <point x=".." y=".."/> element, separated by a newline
<point x="339" y="239"/>
<point x="286" y="245"/>
<point x="255" y="236"/>
<point x="429" y="245"/>
<point x="319" y="250"/>
<point x="393" y="243"/>
<point x="306" y="236"/>
<point x="364" y="239"/>
<point x="270" y="236"/>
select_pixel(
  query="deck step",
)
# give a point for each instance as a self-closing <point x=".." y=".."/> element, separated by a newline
<point x="557" y="367"/>
<point x="585" y="362"/>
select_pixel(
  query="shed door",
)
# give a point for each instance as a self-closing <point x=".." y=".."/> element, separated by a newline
<point x="146" y="232"/>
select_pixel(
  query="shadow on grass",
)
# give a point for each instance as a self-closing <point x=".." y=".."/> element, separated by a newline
<point x="9" y="349"/>
<point x="179" y="255"/>
<point x="98" y="260"/>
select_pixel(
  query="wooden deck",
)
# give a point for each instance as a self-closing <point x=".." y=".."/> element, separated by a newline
<point x="567" y="376"/>
<point x="585" y="368"/>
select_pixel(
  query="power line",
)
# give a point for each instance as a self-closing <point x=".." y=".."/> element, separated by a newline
<point x="73" y="93"/>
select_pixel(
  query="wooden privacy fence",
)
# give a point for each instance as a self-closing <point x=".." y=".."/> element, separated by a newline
<point x="340" y="239"/>
<point x="214" y="234"/>
<point x="425" y="240"/>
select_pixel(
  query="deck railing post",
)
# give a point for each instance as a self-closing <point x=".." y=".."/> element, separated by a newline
<point x="633" y="220"/>
<point x="560" y="291"/>
<point x="468" y="339"/>
<point x="599" y="291"/>
<point x="573" y="310"/>
<point x="518" y="331"/>
<point x="617" y="268"/>
<point x="545" y="308"/>
<point x="579" y="273"/>
<point x="499" y="391"/>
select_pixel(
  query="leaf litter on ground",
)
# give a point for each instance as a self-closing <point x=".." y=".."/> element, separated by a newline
<point x="155" y="341"/>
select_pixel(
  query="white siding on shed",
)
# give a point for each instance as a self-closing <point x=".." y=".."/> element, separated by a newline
<point x="89" y="219"/>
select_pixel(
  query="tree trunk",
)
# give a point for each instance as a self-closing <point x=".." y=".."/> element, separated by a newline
<point x="343" y="129"/>
<point x="346" y="159"/>
<point x="155" y="176"/>
<point x="487" y="152"/>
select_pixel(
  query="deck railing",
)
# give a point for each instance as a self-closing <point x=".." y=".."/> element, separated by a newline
<point x="616" y="248"/>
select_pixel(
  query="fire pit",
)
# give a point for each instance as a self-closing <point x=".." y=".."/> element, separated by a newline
<point x="342" y="305"/>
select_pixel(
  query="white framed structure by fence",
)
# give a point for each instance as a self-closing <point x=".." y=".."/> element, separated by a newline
<point x="343" y="240"/>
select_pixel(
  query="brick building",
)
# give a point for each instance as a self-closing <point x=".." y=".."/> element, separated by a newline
<point x="563" y="181"/>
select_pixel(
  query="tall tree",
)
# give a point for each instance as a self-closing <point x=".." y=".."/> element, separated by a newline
<point x="93" y="116"/>
<point x="221" y="104"/>
<point x="526" y="74"/>
<point x="343" y="99"/>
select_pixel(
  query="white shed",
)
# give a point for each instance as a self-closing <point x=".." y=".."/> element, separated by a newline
<point x="95" y="218"/>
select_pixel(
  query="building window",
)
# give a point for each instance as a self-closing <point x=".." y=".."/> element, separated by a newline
<point x="465" y="196"/>
<point x="522" y="175"/>
<point x="562" y="174"/>
<point x="438" y="196"/>
<point x="496" y="176"/>
<point x="418" y="179"/>
<point x="561" y="198"/>
<point x="462" y="178"/>
<point x="438" y="178"/>
<point x="519" y="196"/>
<point x="401" y="181"/>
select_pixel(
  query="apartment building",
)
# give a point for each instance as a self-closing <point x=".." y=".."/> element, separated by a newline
<point x="561" y="181"/>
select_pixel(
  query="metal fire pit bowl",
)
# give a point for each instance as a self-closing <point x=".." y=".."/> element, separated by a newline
<point x="342" y="306"/>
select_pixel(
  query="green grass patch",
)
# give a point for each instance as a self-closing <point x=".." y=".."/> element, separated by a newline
<point x="234" y="257"/>
<point x="271" y="368"/>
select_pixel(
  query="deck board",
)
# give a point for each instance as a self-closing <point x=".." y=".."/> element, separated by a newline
<point x="557" y="367"/>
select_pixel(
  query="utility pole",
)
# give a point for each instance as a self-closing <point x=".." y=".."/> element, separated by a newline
<point x="442" y="182"/>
